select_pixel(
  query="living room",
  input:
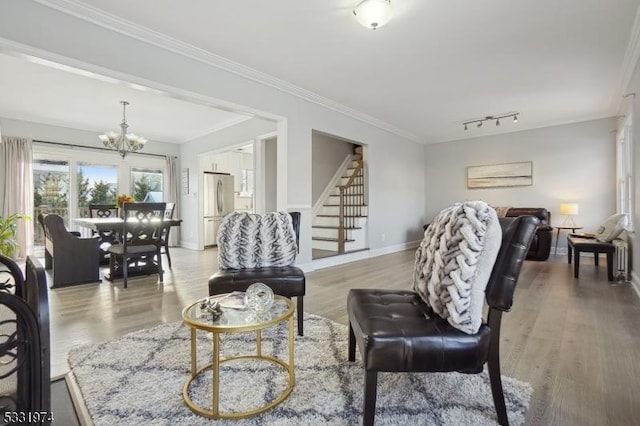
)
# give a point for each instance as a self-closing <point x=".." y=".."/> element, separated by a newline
<point x="573" y="155"/>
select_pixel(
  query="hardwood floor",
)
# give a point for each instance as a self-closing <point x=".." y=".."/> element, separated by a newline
<point x="577" y="342"/>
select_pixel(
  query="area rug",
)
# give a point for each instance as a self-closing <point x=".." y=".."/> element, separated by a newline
<point x="137" y="379"/>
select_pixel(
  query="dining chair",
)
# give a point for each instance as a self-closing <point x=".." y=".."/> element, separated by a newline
<point x="139" y="239"/>
<point x="168" y="214"/>
<point x="106" y="237"/>
<point x="396" y="331"/>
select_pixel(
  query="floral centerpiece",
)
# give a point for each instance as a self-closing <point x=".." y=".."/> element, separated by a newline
<point x="124" y="198"/>
<point x="120" y="200"/>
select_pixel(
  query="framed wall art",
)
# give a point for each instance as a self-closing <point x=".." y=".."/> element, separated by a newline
<point x="500" y="175"/>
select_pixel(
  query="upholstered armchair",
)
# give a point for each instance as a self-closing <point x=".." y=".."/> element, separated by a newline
<point x="74" y="259"/>
<point x="396" y="331"/>
<point x="284" y="279"/>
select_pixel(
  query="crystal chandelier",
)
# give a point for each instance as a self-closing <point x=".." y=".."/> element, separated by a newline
<point x="123" y="142"/>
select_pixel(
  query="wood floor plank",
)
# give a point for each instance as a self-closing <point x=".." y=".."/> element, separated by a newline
<point x="576" y="341"/>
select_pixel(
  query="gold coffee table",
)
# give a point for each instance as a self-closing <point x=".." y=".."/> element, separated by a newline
<point x="236" y="321"/>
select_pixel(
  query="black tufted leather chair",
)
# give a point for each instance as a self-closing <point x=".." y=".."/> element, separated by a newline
<point x="396" y="332"/>
<point x="288" y="281"/>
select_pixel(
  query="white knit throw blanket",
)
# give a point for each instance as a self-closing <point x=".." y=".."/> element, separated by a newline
<point x="454" y="262"/>
<point x="256" y="240"/>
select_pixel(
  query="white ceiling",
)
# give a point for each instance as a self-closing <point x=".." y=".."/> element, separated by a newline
<point x="437" y="64"/>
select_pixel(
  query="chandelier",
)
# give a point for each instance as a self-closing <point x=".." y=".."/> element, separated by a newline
<point x="123" y="142"/>
<point x="497" y="119"/>
<point x="373" y="13"/>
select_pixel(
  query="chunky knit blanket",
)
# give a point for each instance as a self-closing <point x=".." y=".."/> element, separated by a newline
<point x="256" y="240"/>
<point x="454" y="262"/>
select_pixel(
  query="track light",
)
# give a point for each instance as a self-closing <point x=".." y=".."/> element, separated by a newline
<point x="497" y="118"/>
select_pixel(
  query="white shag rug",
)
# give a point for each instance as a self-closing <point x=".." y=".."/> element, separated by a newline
<point x="137" y="379"/>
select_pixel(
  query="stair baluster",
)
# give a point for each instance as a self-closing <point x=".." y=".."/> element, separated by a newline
<point x="351" y="203"/>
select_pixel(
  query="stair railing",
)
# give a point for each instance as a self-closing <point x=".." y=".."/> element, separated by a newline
<point x="351" y="203"/>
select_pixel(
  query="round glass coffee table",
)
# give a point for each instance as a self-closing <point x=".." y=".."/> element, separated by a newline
<point x="237" y="321"/>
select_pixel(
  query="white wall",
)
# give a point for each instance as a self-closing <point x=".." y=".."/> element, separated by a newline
<point x="271" y="177"/>
<point x="574" y="162"/>
<point x="328" y="153"/>
<point x="396" y="170"/>
<point x="190" y="153"/>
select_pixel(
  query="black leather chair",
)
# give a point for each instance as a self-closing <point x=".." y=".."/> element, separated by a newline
<point x="74" y="259"/>
<point x="139" y="240"/>
<point x="395" y="330"/>
<point x="25" y="348"/>
<point x="287" y="281"/>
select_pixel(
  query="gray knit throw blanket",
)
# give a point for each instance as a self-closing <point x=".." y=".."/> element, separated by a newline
<point x="256" y="240"/>
<point x="454" y="262"/>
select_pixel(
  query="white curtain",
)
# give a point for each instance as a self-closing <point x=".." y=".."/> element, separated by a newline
<point x="171" y="195"/>
<point x="16" y="178"/>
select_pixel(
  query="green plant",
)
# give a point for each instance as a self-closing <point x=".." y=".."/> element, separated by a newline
<point x="8" y="230"/>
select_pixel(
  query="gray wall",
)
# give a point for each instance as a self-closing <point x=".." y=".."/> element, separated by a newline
<point x="270" y="175"/>
<point x="634" y="103"/>
<point x="574" y="162"/>
<point x="396" y="204"/>
<point x="327" y="154"/>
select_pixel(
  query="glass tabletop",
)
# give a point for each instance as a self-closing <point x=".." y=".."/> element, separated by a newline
<point x="236" y="319"/>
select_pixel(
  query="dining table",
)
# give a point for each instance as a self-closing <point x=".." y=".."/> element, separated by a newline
<point x="109" y="230"/>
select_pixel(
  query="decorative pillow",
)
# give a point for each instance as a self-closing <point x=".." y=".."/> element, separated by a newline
<point x="256" y="240"/>
<point x="454" y="262"/>
<point x="612" y="227"/>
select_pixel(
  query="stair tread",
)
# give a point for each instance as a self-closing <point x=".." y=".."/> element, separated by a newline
<point x="330" y="239"/>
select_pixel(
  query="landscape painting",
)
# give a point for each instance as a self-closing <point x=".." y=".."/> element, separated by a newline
<point x="500" y="175"/>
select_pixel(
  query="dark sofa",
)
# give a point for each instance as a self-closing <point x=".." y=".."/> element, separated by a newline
<point x="541" y="244"/>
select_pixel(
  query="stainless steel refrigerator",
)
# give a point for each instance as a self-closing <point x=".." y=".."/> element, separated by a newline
<point x="218" y="201"/>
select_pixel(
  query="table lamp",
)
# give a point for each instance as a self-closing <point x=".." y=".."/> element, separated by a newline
<point x="569" y="210"/>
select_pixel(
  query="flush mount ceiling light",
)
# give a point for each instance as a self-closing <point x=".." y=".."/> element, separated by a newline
<point x="373" y="13"/>
<point x="123" y="142"/>
<point x="497" y="119"/>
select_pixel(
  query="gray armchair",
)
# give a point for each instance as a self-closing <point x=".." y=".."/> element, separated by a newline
<point x="74" y="259"/>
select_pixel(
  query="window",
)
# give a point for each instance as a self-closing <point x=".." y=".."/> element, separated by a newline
<point x="50" y="191"/>
<point x="146" y="185"/>
<point x="96" y="185"/>
<point x="624" y="169"/>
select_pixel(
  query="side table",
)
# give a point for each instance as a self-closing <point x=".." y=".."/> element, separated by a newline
<point x="237" y="321"/>
<point x="573" y="229"/>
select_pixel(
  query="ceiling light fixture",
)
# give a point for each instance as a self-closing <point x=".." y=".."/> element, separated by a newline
<point x="373" y="13"/>
<point x="491" y="118"/>
<point x="123" y="142"/>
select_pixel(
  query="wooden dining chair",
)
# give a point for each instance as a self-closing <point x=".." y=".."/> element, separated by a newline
<point x="140" y="239"/>
<point x="168" y="214"/>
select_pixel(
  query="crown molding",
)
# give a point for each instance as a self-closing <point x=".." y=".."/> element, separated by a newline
<point x="629" y="63"/>
<point x="117" y="24"/>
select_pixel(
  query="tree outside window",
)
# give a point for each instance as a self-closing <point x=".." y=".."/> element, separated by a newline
<point x="147" y="185"/>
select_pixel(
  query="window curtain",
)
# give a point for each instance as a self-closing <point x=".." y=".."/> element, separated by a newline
<point x="171" y="196"/>
<point x="16" y="178"/>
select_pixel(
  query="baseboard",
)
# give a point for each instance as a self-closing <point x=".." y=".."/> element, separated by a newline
<point x="328" y="262"/>
<point x="635" y="282"/>
<point x="189" y="245"/>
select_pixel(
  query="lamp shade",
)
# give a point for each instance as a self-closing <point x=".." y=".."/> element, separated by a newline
<point x="373" y="13"/>
<point x="569" y="208"/>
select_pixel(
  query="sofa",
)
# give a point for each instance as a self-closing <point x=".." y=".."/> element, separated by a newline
<point x="541" y="244"/>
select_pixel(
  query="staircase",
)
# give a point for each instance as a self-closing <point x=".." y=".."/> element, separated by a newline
<point x="340" y="224"/>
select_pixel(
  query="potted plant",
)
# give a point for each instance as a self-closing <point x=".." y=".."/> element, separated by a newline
<point x="8" y="230"/>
